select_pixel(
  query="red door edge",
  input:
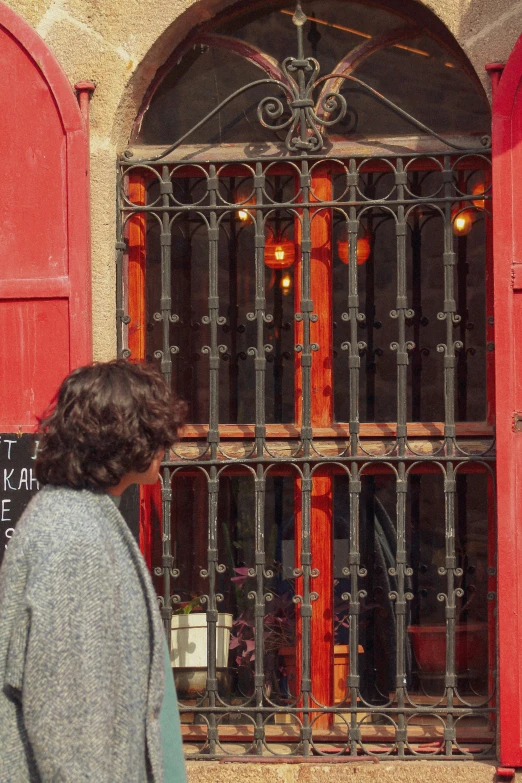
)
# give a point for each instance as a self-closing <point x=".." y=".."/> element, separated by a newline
<point x="507" y="239"/>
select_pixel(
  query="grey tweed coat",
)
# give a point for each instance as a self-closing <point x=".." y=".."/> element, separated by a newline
<point x="81" y="684"/>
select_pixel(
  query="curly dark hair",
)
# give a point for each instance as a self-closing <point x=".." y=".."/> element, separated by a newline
<point x="106" y="420"/>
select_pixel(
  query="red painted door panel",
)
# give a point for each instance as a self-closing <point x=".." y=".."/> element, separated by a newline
<point x="507" y="250"/>
<point x="45" y="300"/>
<point x="37" y="333"/>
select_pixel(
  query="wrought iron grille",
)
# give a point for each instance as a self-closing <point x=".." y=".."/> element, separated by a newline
<point x="393" y="456"/>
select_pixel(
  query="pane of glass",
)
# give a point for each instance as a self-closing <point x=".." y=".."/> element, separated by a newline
<point x="426" y="613"/>
<point x="189" y="290"/>
<point x="378" y="543"/>
<point x="428" y="629"/>
<point x="426" y="291"/>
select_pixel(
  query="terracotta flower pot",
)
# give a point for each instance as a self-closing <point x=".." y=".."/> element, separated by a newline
<point x="429" y="646"/>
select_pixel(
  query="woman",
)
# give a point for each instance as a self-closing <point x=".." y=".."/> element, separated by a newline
<point x="82" y="648"/>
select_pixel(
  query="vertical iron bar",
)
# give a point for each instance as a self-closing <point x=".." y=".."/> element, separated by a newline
<point x="213" y="439"/>
<point x="306" y="605"/>
<point x="260" y="313"/>
<point x="354" y="359"/>
<point x="167" y="559"/>
<point x="449" y="314"/>
<point x="402" y="312"/>
<point x="401" y="570"/>
<point x="306" y="315"/>
<point x="212" y="612"/>
<point x="452" y="592"/>
<point x="354" y="363"/>
<point x="354" y="571"/>
<point x="233" y="306"/>
<point x="166" y="369"/>
<point x="462" y="300"/>
<point x="451" y="317"/>
<point x="213" y="315"/>
<point x="260" y="560"/>
<point x="306" y="309"/>
<point x="166" y="301"/>
<point x="370" y="313"/>
<point x="416" y="262"/>
<point x="121" y="318"/>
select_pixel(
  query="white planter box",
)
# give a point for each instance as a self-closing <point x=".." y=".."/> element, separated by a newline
<point x="188" y="648"/>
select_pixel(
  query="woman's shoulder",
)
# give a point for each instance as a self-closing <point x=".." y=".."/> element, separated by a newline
<point x="63" y="512"/>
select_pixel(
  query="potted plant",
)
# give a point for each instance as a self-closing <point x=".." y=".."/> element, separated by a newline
<point x="278" y="634"/>
<point x="189" y="645"/>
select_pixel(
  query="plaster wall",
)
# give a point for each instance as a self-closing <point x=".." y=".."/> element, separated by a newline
<point x="119" y="45"/>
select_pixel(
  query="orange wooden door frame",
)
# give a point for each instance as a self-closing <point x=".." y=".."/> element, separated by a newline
<point x="150" y="496"/>
<point x="321" y="500"/>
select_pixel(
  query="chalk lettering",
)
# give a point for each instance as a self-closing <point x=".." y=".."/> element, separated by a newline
<point x="18" y="481"/>
<point x="35" y="449"/>
<point x="10" y="442"/>
<point x="5" y="510"/>
<point x="24" y="479"/>
<point x="9" y="534"/>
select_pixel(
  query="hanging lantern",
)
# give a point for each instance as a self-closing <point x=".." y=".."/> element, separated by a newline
<point x="364" y="248"/>
<point x="478" y="190"/>
<point x="462" y="221"/>
<point x="279" y="253"/>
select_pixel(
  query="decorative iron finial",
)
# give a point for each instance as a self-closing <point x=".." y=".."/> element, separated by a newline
<point x="304" y="124"/>
<point x="299" y="18"/>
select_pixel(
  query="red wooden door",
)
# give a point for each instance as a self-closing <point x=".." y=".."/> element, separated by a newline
<point x="45" y="288"/>
<point x="507" y="247"/>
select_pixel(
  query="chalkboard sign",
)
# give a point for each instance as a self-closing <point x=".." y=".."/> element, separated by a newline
<point x="17" y="481"/>
<point x="18" y="484"/>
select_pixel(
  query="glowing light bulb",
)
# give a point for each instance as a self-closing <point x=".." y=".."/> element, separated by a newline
<point x="279" y="253"/>
<point x="462" y="224"/>
<point x="286" y="284"/>
<point x="242" y="214"/>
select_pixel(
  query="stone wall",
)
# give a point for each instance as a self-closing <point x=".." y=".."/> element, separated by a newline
<point x="365" y="772"/>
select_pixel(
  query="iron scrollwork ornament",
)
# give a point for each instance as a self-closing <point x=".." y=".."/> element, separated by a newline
<point x="304" y="125"/>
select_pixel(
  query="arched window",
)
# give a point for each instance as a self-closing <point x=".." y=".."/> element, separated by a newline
<point x="304" y="251"/>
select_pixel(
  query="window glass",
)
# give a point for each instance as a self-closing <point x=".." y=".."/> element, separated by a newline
<point x="417" y="73"/>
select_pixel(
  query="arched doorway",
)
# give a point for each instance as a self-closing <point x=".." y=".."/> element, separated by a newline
<point x="306" y="257"/>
